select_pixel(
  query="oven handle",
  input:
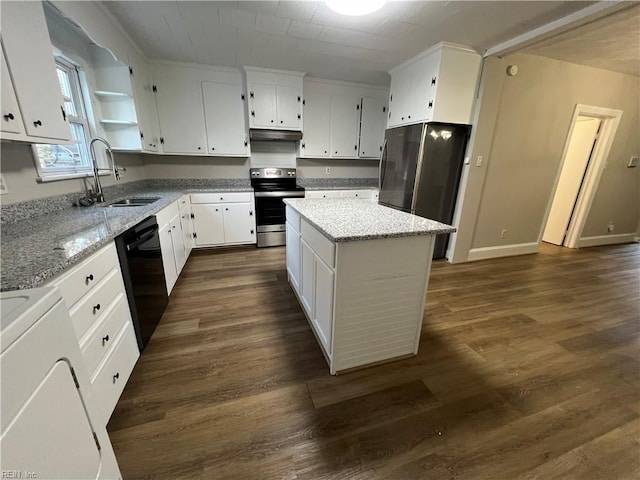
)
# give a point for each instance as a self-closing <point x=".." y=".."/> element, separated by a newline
<point x="279" y="194"/>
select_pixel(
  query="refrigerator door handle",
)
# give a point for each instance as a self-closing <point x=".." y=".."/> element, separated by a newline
<point x="382" y="171"/>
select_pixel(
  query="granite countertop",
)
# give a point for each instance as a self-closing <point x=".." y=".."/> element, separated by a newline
<point x="38" y="248"/>
<point x="344" y="220"/>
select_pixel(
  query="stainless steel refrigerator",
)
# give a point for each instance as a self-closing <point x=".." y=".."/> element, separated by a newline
<point x="420" y="171"/>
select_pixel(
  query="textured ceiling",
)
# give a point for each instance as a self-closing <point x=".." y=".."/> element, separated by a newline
<point x="612" y="42"/>
<point x="307" y="36"/>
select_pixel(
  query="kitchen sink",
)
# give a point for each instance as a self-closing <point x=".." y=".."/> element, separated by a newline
<point x="133" y="202"/>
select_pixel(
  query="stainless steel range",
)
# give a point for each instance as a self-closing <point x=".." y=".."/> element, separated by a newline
<point x="271" y="187"/>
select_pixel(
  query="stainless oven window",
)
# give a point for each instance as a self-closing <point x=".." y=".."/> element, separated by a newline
<point x="270" y="211"/>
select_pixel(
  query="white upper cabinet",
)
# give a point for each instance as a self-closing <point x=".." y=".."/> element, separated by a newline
<point x="372" y="124"/>
<point x="289" y="101"/>
<point x="145" y="106"/>
<point x="438" y="85"/>
<point x="11" y="121"/>
<point x="181" y="115"/>
<point x="225" y="119"/>
<point x="316" y="139"/>
<point x="342" y="120"/>
<point x="345" y="123"/>
<point x="275" y="99"/>
<point x="29" y="55"/>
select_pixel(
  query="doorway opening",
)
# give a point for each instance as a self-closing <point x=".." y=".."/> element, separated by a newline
<point x="585" y="153"/>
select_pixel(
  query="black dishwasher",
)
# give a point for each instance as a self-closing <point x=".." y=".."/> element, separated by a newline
<point x="143" y="273"/>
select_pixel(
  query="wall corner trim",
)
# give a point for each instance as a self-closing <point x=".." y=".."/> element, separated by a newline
<point x="485" y="253"/>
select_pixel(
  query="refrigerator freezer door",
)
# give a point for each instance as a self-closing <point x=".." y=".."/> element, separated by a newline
<point x="398" y="166"/>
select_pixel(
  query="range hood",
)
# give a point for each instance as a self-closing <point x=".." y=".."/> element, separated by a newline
<point x="275" y="135"/>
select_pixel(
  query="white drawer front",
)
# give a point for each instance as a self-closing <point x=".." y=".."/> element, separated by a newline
<point x="183" y="203"/>
<point x="324" y="247"/>
<point x="364" y="194"/>
<point x="82" y="278"/>
<point x="167" y="213"/>
<point x="221" y="197"/>
<point x="293" y="218"/>
<point x="112" y="375"/>
<point x="322" y="194"/>
<point x="99" y="343"/>
<point x="92" y="307"/>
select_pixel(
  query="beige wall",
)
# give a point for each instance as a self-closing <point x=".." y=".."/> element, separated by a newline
<point x="523" y="146"/>
<point x="19" y="171"/>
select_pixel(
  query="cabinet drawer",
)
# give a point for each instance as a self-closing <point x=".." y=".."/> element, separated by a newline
<point x="81" y="279"/>
<point x="221" y="197"/>
<point x="322" y="194"/>
<point x="92" y="308"/>
<point x="165" y="215"/>
<point x="323" y="247"/>
<point x="112" y="375"/>
<point x="366" y="194"/>
<point x="96" y="346"/>
<point x="183" y="203"/>
<point x="293" y="218"/>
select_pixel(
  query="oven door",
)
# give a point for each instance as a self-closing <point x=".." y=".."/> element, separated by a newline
<point x="270" y="217"/>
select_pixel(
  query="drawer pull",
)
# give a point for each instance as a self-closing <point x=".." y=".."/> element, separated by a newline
<point x="96" y="308"/>
<point x="221" y="198"/>
<point x="105" y="339"/>
<point x="116" y="376"/>
<point x="89" y="278"/>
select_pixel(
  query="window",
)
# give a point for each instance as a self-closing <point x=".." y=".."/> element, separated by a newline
<point x="56" y="162"/>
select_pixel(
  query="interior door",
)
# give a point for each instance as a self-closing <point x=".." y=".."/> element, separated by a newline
<point x="579" y="152"/>
<point x="181" y="114"/>
<point x="224" y="114"/>
<point x="52" y="438"/>
<point x="398" y="166"/>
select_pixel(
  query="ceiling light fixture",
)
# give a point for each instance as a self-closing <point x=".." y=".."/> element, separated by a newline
<point x="355" y="7"/>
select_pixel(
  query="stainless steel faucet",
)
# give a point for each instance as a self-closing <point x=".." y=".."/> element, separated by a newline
<point x="97" y="193"/>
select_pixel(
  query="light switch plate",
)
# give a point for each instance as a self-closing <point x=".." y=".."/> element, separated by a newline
<point x="633" y="162"/>
<point x="3" y="185"/>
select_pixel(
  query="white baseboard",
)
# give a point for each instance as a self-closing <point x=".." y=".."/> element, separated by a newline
<point x="607" y="239"/>
<point x="502" y="251"/>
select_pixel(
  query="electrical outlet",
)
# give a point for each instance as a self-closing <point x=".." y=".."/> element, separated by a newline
<point x="479" y="161"/>
<point x="3" y="186"/>
<point x="611" y="227"/>
<point x="503" y="233"/>
<point x="633" y="162"/>
<point x="327" y="170"/>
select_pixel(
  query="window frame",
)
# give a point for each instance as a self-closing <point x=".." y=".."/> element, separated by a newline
<point x="77" y="89"/>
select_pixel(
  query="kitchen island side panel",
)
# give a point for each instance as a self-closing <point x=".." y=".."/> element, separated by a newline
<point x="380" y="294"/>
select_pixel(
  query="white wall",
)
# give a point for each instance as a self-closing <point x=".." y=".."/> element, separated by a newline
<point x="520" y="130"/>
<point x="20" y="173"/>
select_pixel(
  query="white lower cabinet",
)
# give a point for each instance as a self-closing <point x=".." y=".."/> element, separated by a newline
<point x="323" y="306"/>
<point x="223" y="218"/>
<point x="364" y="194"/>
<point x="94" y="294"/>
<point x="307" y="289"/>
<point x="172" y="243"/>
<point x="293" y="256"/>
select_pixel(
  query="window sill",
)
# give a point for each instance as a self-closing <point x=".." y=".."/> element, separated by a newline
<point x="68" y="176"/>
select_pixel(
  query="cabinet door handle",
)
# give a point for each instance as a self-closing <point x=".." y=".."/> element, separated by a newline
<point x="199" y="148"/>
<point x="281" y="121"/>
<point x="227" y="209"/>
<point x="251" y="232"/>
<point x="64" y="114"/>
<point x="116" y="376"/>
<point x="271" y="121"/>
<point x="89" y="278"/>
<point x="221" y="198"/>
<point x="96" y="308"/>
<point x="105" y="339"/>
<point x="9" y="116"/>
<point x="37" y="123"/>
<point x="173" y="227"/>
<point x="213" y="148"/>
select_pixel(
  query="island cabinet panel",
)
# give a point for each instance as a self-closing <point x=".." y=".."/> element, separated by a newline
<point x="364" y="299"/>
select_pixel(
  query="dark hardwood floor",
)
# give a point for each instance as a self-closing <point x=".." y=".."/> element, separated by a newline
<point x="529" y="368"/>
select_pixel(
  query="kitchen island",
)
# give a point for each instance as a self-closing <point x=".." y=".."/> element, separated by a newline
<point x="360" y="271"/>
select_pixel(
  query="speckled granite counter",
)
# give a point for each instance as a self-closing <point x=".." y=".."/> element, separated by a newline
<point x="338" y="183"/>
<point x="38" y="248"/>
<point x="344" y="220"/>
